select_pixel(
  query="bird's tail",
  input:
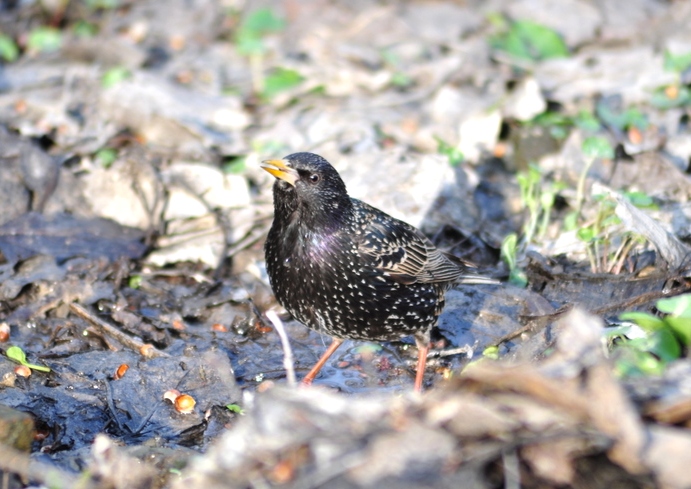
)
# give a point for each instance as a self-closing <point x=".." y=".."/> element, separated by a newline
<point x="476" y="279"/>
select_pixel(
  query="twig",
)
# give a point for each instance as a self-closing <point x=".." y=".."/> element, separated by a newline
<point x="468" y="350"/>
<point x="112" y="331"/>
<point x="287" y="351"/>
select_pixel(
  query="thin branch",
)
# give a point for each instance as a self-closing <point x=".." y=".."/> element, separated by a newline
<point x="288" y="362"/>
<point x="109" y="330"/>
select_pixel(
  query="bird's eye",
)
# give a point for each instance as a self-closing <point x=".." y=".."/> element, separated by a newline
<point x="314" y="178"/>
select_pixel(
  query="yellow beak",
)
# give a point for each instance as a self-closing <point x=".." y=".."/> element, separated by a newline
<point x="280" y="169"/>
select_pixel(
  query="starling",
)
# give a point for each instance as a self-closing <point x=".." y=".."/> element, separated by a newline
<point x="349" y="270"/>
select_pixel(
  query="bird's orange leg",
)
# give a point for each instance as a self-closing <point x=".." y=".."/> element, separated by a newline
<point x="335" y="343"/>
<point x="422" y="351"/>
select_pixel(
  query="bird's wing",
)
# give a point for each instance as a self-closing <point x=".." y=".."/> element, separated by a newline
<point x="404" y="254"/>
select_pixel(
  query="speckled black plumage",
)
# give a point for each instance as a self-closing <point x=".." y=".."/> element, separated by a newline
<point x="347" y="269"/>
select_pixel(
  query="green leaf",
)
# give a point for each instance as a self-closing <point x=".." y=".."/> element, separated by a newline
<point x="103" y="4"/>
<point x="644" y="320"/>
<point x="44" y="39"/>
<point x="529" y="40"/>
<point x="401" y="80"/>
<point x="114" y="76"/>
<point x="491" y="352"/>
<point x="586" y="234"/>
<point x="235" y="409"/>
<point x="253" y="28"/>
<point x="508" y="250"/>
<point x="135" y="281"/>
<point x="650" y="365"/>
<point x="571" y="221"/>
<point x="542" y="42"/>
<point x="454" y="155"/>
<point x="597" y="147"/>
<point x="250" y="44"/>
<point x="84" y="29"/>
<point x="263" y="21"/>
<point x="608" y="221"/>
<point x="8" y="49"/>
<point x="641" y="200"/>
<point x="106" y="157"/>
<point x="679" y="306"/>
<point x="586" y="121"/>
<point x="17" y="354"/>
<point x="235" y="165"/>
<point x="665" y="345"/>
<point x="518" y="278"/>
<point x="631" y="117"/>
<point x="557" y="124"/>
<point x="671" y="96"/>
<point x="681" y="327"/>
<point x="279" y="80"/>
<point x="677" y="62"/>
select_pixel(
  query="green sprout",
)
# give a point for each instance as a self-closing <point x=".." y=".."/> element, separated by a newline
<point x="250" y="41"/>
<point x="608" y="249"/>
<point x="135" y="281"/>
<point x="509" y="254"/>
<point x="676" y="94"/>
<point x="454" y="155"/>
<point x="106" y="156"/>
<point x="538" y="197"/>
<point x="8" y="48"/>
<point x="44" y="39"/>
<point x="664" y="339"/>
<point x="235" y="409"/>
<point x="279" y="80"/>
<point x="491" y="352"/>
<point x="114" y="75"/>
<point x="525" y="40"/>
<point x="16" y="354"/>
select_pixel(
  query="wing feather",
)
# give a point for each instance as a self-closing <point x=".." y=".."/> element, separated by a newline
<point x="405" y="254"/>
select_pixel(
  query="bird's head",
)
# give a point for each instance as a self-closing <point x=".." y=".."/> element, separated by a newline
<point x="308" y="189"/>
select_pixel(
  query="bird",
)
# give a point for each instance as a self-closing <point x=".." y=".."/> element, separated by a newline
<point x="349" y="270"/>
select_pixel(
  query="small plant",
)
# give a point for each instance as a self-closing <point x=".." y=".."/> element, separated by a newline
<point x="16" y="354"/>
<point x="114" y="75"/>
<point x="106" y="157"/>
<point x="102" y="4"/>
<point x="663" y="339"/>
<point x="236" y="165"/>
<point x="630" y="120"/>
<point x="509" y="254"/>
<point x="676" y="94"/>
<point x="8" y="48"/>
<point x="135" y="281"/>
<point x="399" y="79"/>
<point x="525" y="40"/>
<point x="606" y="246"/>
<point x="538" y="197"/>
<point x="279" y="80"/>
<point x="250" y="41"/>
<point x="44" y="39"/>
<point x="556" y="123"/>
<point x="491" y="352"/>
<point x="234" y="408"/>
<point x="454" y="155"/>
<point x="83" y="29"/>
